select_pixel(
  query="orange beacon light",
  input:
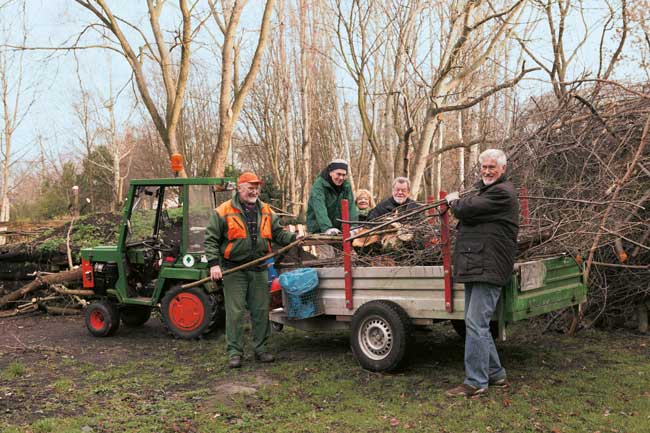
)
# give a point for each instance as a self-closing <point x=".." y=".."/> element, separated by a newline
<point x="177" y="163"/>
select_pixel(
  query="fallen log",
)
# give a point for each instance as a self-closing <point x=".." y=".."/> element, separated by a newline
<point x="62" y="311"/>
<point x="39" y="281"/>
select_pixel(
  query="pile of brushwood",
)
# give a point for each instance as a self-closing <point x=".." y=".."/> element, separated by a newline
<point x="586" y="165"/>
<point x="41" y="272"/>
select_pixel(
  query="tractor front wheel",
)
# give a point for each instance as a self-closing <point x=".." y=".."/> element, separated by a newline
<point x="102" y="318"/>
<point x="188" y="313"/>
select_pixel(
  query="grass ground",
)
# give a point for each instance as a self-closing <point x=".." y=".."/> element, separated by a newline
<point x="145" y="381"/>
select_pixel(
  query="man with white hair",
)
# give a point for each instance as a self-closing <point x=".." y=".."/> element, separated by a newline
<point x="484" y="256"/>
<point x="241" y="230"/>
<point x="399" y="200"/>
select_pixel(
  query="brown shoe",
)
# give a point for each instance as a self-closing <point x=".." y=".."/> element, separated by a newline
<point x="234" y="361"/>
<point x="264" y="357"/>
<point x="500" y="384"/>
<point x="465" y="390"/>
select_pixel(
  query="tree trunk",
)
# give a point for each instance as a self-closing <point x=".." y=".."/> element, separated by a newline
<point x="58" y="278"/>
<point x="304" y="108"/>
<point x="229" y="107"/>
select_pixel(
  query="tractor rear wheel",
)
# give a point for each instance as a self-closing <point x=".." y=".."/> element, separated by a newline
<point x="135" y="315"/>
<point x="188" y="313"/>
<point x="102" y="318"/>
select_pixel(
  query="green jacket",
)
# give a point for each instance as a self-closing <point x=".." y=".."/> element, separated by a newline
<point x="324" y="207"/>
<point x="239" y="248"/>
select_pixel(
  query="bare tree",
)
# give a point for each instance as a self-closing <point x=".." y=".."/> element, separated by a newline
<point x="174" y="75"/>
<point x="232" y="93"/>
<point x="464" y="35"/>
<point x="13" y="90"/>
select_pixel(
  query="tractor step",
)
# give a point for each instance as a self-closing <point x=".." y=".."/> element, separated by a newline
<point x="139" y="300"/>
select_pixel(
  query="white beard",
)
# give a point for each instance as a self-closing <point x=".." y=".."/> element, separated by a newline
<point x="488" y="182"/>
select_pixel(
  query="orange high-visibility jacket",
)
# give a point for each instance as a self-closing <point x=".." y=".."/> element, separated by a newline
<point x="227" y="233"/>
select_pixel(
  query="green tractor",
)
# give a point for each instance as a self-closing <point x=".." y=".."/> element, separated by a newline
<point x="160" y="248"/>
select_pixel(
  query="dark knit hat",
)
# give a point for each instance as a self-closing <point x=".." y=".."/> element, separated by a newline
<point x="337" y="164"/>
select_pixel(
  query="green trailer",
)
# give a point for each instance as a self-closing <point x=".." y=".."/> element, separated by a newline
<point x="387" y="303"/>
<point x="381" y="305"/>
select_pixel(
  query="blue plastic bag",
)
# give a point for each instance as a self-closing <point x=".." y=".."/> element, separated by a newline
<point x="299" y="281"/>
<point x="300" y="287"/>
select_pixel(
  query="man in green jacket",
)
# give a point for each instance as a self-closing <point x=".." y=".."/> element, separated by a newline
<point x="324" y="207"/>
<point x="241" y="230"/>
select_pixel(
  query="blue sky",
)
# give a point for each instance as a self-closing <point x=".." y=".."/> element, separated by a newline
<point x="52" y="76"/>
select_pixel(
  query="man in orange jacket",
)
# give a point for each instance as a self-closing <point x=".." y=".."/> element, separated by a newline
<point x="241" y="230"/>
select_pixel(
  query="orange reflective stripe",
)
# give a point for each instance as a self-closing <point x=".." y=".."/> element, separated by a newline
<point x="226" y="254"/>
<point x="265" y="226"/>
<point x="236" y="228"/>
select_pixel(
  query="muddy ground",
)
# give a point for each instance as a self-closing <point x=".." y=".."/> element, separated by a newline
<point x="55" y="377"/>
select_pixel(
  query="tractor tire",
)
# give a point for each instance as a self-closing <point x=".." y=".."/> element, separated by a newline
<point x="459" y="327"/>
<point x="102" y="318"/>
<point x="134" y="316"/>
<point x="188" y="313"/>
<point x="380" y="336"/>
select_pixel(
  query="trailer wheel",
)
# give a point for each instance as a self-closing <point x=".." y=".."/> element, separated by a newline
<point x="459" y="327"/>
<point x="277" y="327"/>
<point x="188" y="313"/>
<point x="380" y="336"/>
<point x="135" y="315"/>
<point x="102" y="318"/>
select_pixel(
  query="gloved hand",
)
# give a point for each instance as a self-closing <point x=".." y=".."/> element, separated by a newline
<point x="356" y="231"/>
<point x="298" y="237"/>
<point x="452" y="196"/>
<point x="332" y="231"/>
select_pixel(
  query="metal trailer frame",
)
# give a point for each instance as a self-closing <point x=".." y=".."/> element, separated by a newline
<point x="423" y="295"/>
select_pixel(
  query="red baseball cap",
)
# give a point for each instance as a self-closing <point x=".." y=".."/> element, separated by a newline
<point x="248" y="177"/>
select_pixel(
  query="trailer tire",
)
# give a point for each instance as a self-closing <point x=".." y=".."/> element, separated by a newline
<point x="459" y="327"/>
<point x="134" y="316"/>
<point x="188" y="313"/>
<point x="102" y="318"/>
<point x="380" y="336"/>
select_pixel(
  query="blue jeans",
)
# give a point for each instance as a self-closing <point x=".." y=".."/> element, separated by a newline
<point x="482" y="363"/>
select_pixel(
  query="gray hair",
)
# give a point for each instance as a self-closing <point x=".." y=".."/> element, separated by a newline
<point x="401" y="179"/>
<point x="496" y="154"/>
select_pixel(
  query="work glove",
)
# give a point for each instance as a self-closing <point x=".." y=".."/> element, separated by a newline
<point x="215" y="273"/>
<point x="332" y="231"/>
<point x="356" y="231"/>
<point x="452" y="196"/>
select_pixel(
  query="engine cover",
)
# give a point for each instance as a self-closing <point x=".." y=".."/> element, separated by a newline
<point x="106" y="275"/>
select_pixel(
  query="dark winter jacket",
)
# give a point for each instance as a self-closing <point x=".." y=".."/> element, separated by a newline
<point x="390" y="205"/>
<point x="324" y="207"/>
<point x="486" y="242"/>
